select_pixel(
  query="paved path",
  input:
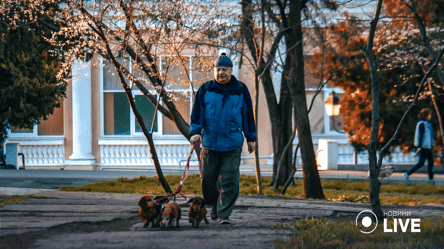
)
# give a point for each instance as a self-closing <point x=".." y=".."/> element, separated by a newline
<point x="54" y="219"/>
<point x="102" y="220"/>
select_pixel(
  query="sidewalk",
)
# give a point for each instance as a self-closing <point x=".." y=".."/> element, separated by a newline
<point x="48" y="218"/>
<point x="57" y="219"/>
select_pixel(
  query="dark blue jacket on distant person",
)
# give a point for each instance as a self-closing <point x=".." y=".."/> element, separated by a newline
<point x="221" y="115"/>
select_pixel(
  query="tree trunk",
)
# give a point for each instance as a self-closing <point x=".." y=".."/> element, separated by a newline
<point x="280" y="139"/>
<point x="256" y="152"/>
<point x="375" y="185"/>
<point x="279" y="114"/>
<point x="282" y="130"/>
<point x="289" y="146"/>
<point x="141" y="123"/>
<point x="295" y="57"/>
<point x="290" y="180"/>
<point x="151" y="145"/>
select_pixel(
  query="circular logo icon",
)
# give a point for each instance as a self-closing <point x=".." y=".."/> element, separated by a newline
<point x="365" y="222"/>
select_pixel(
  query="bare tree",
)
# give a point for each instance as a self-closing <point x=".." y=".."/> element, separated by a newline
<point x="295" y="69"/>
<point x="292" y="86"/>
<point x="132" y="35"/>
<point x="279" y="107"/>
<point x="375" y="184"/>
<point x="440" y="78"/>
<point x="374" y="161"/>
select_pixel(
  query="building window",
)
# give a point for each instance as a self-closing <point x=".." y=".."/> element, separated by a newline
<point x="146" y="110"/>
<point x="23" y="131"/>
<point x="183" y="106"/>
<point x="202" y="69"/>
<point x="52" y="126"/>
<point x="115" y="104"/>
<point x="118" y="117"/>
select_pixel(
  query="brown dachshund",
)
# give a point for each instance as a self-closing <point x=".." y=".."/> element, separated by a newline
<point x="170" y="213"/>
<point x="198" y="212"/>
<point x="149" y="211"/>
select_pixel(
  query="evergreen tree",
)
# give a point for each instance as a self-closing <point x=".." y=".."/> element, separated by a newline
<point x="29" y="90"/>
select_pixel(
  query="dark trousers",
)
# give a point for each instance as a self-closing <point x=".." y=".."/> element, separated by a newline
<point x="226" y="165"/>
<point x="423" y="155"/>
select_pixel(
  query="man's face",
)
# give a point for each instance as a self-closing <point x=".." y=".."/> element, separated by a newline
<point x="222" y="74"/>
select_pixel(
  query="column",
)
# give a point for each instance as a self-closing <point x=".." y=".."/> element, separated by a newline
<point x="82" y="157"/>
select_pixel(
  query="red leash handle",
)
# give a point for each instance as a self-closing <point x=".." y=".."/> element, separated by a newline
<point x="187" y="167"/>
<point x="187" y="170"/>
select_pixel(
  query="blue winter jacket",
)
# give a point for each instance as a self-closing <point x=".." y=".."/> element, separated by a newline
<point x="423" y="134"/>
<point x="220" y="116"/>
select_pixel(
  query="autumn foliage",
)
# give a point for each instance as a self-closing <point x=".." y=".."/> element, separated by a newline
<point x="401" y="60"/>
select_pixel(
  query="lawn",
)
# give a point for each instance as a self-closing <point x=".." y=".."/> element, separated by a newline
<point x="334" y="190"/>
<point x="323" y="233"/>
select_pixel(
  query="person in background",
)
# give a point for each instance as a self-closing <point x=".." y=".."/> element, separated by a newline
<point x="222" y="115"/>
<point x="2" y="156"/>
<point x="424" y="142"/>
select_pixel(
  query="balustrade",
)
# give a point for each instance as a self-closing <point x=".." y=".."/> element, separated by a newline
<point x="43" y="155"/>
<point x="134" y="155"/>
<point x="170" y="154"/>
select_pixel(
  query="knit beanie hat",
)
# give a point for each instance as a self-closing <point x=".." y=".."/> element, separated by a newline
<point x="223" y="61"/>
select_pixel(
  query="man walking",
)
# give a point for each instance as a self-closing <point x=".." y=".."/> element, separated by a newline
<point x="222" y="114"/>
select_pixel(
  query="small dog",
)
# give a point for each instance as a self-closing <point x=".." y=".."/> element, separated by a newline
<point x="170" y="213"/>
<point x="149" y="211"/>
<point x="384" y="172"/>
<point x="197" y="211"/>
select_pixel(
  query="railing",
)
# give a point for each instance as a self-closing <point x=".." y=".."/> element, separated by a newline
<point x="346" y="156"/>
<point x="169" y="154"/>
<point x="242" y="158"/>
<point x="41" y="152"/>
<point x="142" y="168"/>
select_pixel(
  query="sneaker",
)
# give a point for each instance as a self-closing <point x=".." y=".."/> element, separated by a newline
<point x="406" y="176"/>
<point x="214" y="213"/>
<point x="225" y="221"/>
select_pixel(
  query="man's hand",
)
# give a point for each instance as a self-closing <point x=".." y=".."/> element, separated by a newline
<point x="194" y="139"/>
<point x="251" y="146"/>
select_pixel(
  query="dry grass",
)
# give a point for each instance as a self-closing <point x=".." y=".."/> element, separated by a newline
<point x="334" y="190"/>
<point x="8" y="200"/>
<point x="317" y="233"/>
<point x="12" y="200"/>
<point x="140" y="185"/>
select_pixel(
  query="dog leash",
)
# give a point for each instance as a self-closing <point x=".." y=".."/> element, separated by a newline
<point x="185" y="175"/>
